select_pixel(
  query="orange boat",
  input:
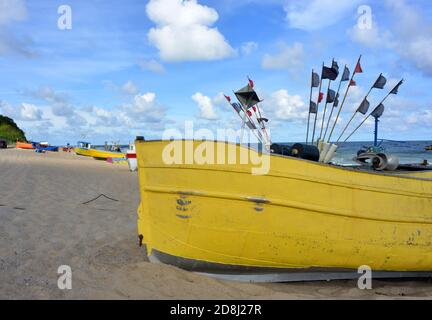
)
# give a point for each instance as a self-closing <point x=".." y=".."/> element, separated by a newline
<point x="24" y="145"/>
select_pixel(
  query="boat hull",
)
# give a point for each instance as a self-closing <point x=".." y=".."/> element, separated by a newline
<point x="24" y="145"/>
<point x="300" y="216"/>
<point x="98" y="154"/>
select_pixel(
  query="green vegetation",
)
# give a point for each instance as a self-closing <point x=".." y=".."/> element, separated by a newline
<point x="9" y="131"/>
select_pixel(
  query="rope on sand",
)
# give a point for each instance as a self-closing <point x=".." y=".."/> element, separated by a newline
<point x="101" y="195"/>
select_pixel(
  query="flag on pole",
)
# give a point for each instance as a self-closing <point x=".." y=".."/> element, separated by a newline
<point x="228" y="98"/>
<point x="329" y="73"/>
<point x="336" y="101"/>
<point x="250" y="125"/>
<point x="251" y="83"/>
<point x="313" y="107"/>
<point x="358" y="68"/>
<point x="237" y="107"/>
<point x="378" y="111"/>
<point x="352" y="83"/>
<point x="396" y="89"/>
<point x="364" y="107"/>
<point x="346" y="74"/>
<point x="321" y="97"/>
<point x="380" y="82"/>
<point x="331" y="95"/>
<point x="247" y="96"/>
<point x="315" y="80"/>
<point x="335" y="66"/>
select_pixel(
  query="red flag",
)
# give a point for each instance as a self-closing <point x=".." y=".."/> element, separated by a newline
<point x="254" y="109"/>
<point x="358" y="68"/>
<point x="251" y="83"/>
<point x="249" y="113"/>
<point x="353" y="83"/>
<point x="321" y="97"/>
<point x="228" y="98"/>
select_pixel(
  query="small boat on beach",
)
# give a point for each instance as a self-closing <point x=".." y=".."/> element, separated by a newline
<point x="85" y="149"/>
<point x="24" y="145"/>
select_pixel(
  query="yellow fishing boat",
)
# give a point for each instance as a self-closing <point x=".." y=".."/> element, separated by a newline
<point x="300" y="220"/>
<point x="85" y="149"/>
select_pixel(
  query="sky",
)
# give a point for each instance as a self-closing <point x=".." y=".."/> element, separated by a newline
<point x="112" y="70"/>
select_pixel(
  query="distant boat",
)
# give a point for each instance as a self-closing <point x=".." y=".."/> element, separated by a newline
<point x="428" y="148"/>
<point x="85" y="149"/>
<point x="48" y="148"/>
<point x="24" y="145"/>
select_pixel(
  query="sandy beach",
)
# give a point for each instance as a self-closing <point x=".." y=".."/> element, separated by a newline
<point x="46" y="220"/>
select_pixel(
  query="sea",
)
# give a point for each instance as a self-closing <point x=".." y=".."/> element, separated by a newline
<point x="406" y="151"/>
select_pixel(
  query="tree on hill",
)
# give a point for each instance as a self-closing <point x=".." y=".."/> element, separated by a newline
<point x="9" y="131"/>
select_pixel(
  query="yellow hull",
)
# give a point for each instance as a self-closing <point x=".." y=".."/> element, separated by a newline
<point x="301" y="215"/>
<point x="98" y="154"/>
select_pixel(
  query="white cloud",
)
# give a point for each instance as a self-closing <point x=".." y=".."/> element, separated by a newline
<point x="152" y="65"/>
<point x="289" y="58"/>
<point x="23" y="112"/>
<point x="248" y="47"/>
<point x="129" y="88"/>
<point x="411" y="35"/>
<point x="205" y="106"/>
<point x="183" y="31"/>
<point x="287" y="107"/>
<point x="317" y="14"/>
<point x="12" y="10"/>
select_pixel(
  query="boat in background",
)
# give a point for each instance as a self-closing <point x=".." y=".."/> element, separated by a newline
<point x="85" y="149"/>
<point x="428" y="148"/>
<point x="24" y="145"/>
<point x="131" y="158"/>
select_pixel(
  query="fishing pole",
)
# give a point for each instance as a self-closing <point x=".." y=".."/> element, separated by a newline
<point x="318" y="102"/>
<point x="325" y="109"/>
<point x="393" y="91"/>
<point x="355" y="112"/>
<point x="357" y="69"/>
<point x="310" y="100"/>
<point x="334" y="104"/>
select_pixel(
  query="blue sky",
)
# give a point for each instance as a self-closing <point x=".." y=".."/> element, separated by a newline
<point x="132" y="67"/>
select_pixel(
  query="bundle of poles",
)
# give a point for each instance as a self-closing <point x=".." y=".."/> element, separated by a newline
<point x="323" y="142"/>
<point x="248" y="109"/>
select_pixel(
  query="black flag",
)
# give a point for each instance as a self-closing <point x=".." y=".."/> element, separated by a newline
<point x="378" y="111"/>
<point x="336" y="102"/>
<point x="381" y="82"/>
<point x="396" y="89"/>
<point x="330" y="73"/>
<point x="331" y="95"/>
<point x="364" y="107"/>
<point x="313" y="107"/>
<point x="315" y="80"/>
<point x="346" y="74"/>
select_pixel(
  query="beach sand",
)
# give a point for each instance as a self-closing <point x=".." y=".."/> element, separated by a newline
<point x="44" y="224"/>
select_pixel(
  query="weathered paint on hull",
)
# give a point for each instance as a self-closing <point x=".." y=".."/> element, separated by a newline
<point x="300" y="215"/>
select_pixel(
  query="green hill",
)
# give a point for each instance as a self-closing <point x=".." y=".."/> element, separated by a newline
<point x="9" y="131"/>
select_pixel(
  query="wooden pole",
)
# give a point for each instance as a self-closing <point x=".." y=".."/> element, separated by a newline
<point x="344" y="98"/>
<point x="309" y="114"/>
<point x="318" y="102"/>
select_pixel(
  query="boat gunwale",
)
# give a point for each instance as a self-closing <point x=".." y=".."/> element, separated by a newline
<point x="399" y="174"/>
